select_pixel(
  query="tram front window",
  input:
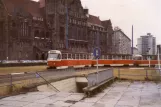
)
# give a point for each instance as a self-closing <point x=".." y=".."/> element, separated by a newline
<point x="54" y="56"/>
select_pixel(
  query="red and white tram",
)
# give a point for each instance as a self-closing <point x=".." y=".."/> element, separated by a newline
<point x="57" y="59"/>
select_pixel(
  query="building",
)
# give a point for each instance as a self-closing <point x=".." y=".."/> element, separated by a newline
<point x="147" y="45"/>
<point x="23" y="30"/>
<point x="30" y="29"/>
<point x="97" y="34"/>
<point x="68" y="21"/>
<point x="135" y="51"/>
<point x="121" y="42"/>
<point x="108" y="26"/>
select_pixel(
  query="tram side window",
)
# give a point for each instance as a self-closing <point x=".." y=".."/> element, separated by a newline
<point x="84" y="56"/>
<point x="64" y="56"/>
<point x="69" y="56"/>
<point x="77" y="56"/>
<point x="59" y="56"/>
<point x="73" y="56"/>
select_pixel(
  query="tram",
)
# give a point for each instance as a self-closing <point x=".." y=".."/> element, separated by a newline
<point x="58" y="60"/>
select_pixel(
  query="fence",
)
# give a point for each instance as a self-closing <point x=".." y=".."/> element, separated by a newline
<point x="98" y="77"/>
<point x="138" y="73"/>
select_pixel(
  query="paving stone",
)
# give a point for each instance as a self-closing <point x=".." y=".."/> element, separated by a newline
<point x="45" y="101"/>
<point x="1" y="105"/>
<point x="99" y="105"/>
<point x="63" y="94"/>
<point x="55" y="98"/>
<point x="131" y="103"/>
<point x="74" y="97"/>
<point x="41" y="105"/>
<point x="42" y="93"/>
<point x="150" y="102"/>
<point x="91" y="100"/>
<point x="25" y="97"/>
<point x="83" y="104"/>
<point x="13" y="103"/>
<point x="63" y="104"/>
<point x="125" y="106"/>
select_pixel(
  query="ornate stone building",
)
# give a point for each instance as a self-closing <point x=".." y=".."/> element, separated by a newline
<point x="68" y="20"/>
<point x="28" y="29"/>
<point x="108" y="26"/>
<point x="97" y="34"/>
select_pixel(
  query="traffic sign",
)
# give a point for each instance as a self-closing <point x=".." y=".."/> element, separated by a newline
<point x="97" y="52"/>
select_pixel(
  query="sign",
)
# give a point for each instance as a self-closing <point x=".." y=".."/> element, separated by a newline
<point x="97" y="53"/>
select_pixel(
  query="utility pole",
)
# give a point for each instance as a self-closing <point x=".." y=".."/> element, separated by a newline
<point x="132" y="41"/>
<point x="55" y="23"/>
<point x="159" y="48"/>
<point x="67" y="17"/>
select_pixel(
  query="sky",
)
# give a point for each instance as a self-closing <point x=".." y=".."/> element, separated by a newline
<point x="144" y="15"/>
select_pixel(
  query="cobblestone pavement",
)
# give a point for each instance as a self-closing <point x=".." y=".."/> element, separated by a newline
<point x="120" y="94"/>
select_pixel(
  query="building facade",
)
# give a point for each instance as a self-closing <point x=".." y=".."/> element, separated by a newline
<point x="135" y="51"/>
<point x="110" y="32"/>
<point x="97" y="34"/>
<point x="24" y="31"/>
<point x="68" y="21"/>
<point x="30" y="29"/>
<point x="147" y="45"/>
<point x="121" y="42"/>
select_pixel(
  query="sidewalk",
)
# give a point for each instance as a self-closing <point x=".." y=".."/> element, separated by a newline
<point x="120" y="94"/>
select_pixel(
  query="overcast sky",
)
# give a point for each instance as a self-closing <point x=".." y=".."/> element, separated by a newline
<point x="145" y="15"/>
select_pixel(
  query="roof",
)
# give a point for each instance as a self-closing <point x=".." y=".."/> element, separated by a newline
<point x="31" y="7"/>
<point x="107" y="24"/>
<point x="94" y="20"/>
<point x="119" y="30"/>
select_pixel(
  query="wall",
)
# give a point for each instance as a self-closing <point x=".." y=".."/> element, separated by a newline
<point x="67" y="85"/>
<point x="121" y="43"/>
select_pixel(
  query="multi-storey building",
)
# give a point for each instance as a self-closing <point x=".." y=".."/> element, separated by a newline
<point x="97" y="34"/>
<point x="29" y="29"/>
<point x="135" y="51"/>
<point x="23" y="31"/>
<point x="147" y="45"/>
<point x="68" y="21"/>
<point x="108" y="27"/>
<point x="121" y="42"/>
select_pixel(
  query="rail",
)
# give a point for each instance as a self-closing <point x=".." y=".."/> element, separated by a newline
<point x="99" y="77"/>
<point x="47" y="81"/>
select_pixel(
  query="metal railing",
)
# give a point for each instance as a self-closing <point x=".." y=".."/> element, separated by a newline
<point x="99" y="77"/>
